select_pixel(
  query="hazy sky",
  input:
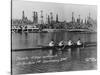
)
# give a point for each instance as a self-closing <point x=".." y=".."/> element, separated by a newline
<point x="64" y="10"/>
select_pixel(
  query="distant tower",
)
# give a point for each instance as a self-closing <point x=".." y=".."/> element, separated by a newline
<point x="78" y="20"/>
<point x="73" y="19"/>
<point x="36" y="17"/>
<point x="89" y="16"/>
<point x="79" y="17"/>
<point x="51" y="14"/>
<point x="48" y="19"/>
<point x="23" y="15"/>
<point x="56" y="17"/>
<point x="42" y="17"/>
<point x="82" y="21"/>
<point x="85" y="21"/>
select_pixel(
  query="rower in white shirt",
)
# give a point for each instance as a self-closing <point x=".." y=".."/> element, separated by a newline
<point x="70" y="43"/>
<point x="79" y="42"/>
<point x="61" y="43"/>
<point x="51" y="43"/>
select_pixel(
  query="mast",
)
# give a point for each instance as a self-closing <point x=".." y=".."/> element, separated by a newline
<point x="42" y="17"/>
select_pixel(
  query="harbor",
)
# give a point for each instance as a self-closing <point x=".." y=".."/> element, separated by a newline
<point x="51" y="37"/>
<point x="53" y="25"/>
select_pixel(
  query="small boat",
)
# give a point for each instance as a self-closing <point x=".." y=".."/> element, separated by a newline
<point x="86" y="44"/>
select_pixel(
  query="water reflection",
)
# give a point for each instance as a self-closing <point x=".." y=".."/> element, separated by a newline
<point x="55" y="52"/>
<point x="69" y="52"/>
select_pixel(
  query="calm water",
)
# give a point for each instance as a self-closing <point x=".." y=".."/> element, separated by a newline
<point x="30" y="40"/>
<point x="40" y="61"/>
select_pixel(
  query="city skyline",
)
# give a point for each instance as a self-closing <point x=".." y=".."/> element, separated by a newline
<point x="56" y="8"/>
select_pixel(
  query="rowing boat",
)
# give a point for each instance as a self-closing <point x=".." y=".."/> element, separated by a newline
<point x="58" y="47"/>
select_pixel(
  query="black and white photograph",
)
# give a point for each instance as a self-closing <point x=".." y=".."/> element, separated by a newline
<point x="51" y="37"/>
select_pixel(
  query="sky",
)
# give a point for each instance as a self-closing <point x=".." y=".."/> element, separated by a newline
<point x="64" y="11"/>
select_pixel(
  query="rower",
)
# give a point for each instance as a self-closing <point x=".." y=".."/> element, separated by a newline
<point x="79" y="42"/>
<point x="51" y="43"/>
<point x="70" y="43"/>
<point x="61" y="43"/>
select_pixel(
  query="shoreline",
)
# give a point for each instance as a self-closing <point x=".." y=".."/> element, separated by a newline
<point x="69" y="30"/>
<point x="55" y="30"/>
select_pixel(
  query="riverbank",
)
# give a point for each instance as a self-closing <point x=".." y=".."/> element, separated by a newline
<point x="37" y="30"/>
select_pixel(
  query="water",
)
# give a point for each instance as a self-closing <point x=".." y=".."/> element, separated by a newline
<point x="31" y="40"/>
<point x="40" y="61"/>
